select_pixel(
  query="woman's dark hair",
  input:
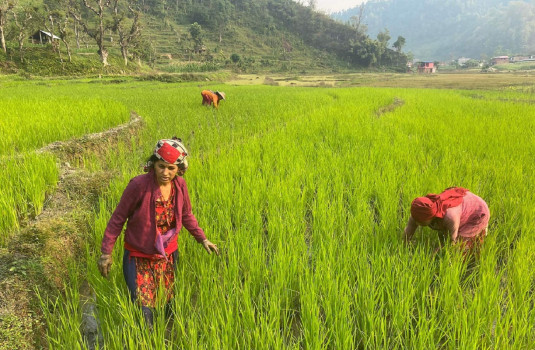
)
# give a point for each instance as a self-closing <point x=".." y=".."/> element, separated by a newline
<point x="149" y="165"/>
<point x="152" y="159"/>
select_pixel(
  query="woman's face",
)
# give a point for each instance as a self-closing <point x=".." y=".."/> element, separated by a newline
<point x="166" y="172"/>
<point x="423" y="223"/>
<point x="433" y="223"/>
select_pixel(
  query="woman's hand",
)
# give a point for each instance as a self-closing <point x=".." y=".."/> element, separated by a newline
<point x="409" y="230"/>
<point x="104" y="264"/>
<point x="209" y="246"/>
<point x="407" y="235"/>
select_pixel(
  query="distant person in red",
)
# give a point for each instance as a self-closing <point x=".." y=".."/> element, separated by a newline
<point x="209" y="97"/>
<point x="456" y="211"/>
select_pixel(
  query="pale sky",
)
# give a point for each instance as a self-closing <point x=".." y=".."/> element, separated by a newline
<point x="337" y="5"/>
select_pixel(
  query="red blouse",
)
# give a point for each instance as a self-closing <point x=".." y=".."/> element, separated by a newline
<point x="165" y="220"/>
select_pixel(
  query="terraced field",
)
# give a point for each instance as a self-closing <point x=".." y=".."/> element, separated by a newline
<point x="306" y="192"/>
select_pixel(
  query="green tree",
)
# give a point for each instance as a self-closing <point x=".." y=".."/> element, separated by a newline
<point x="196" y="33"/>
<point x="221" y="14"/>
<point x="382" y="40"/>
<point x="235" y="58"/>
<point x="364" y="52"/>
<point x="398" y="44"/>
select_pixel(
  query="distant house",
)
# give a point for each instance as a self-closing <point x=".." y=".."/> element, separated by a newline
<point x="514" y="59"/>
<point x="426" y="67"/>
<point x="499" y="60"/>
<point x="42" y="37"/>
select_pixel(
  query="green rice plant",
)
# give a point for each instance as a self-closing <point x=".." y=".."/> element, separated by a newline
<point x="64" y="316"/>
<point x="27" y="123"/>
<point x="24" y="183"/>
<point x="306" y="192"/>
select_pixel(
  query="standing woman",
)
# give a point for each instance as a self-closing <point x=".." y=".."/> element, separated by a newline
<point x="457" y="211"/>
<point x="155" y="206"/>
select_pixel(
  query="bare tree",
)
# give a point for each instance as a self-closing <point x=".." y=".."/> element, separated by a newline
<point x="64" y="33"/>
<point x="5" y="6"/>
<point x="62" y="20"/>
<point x="98" y="8"/>
<point x="22" y="24"/>
<point x="128" y="32"/>
<point x="79" y="33"/>
<point x="76" y="33"/>
<point x="356" y="22"/>
<point x="57" y="20"/>
<point x="49" y="21"/>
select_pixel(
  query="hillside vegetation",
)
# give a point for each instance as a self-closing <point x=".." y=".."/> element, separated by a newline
<point x="448" y="29"/>
<point x="182" y="36"/>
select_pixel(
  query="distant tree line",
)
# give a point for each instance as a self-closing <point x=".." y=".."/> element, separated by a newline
<point x="349" y="42"/>
<point x="446" y="29"/>
<point x="121" y="23"/>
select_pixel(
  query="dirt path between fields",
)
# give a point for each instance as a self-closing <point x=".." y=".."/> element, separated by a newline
<point x="391" y="107"/>
<point x="38" y="255"/>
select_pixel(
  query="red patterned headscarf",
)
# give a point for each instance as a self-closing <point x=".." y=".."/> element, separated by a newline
<point x="171" y="151"/>
<point x="435" y="205"/>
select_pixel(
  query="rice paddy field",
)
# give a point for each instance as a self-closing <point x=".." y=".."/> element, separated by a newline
<point x="306" y="192"/>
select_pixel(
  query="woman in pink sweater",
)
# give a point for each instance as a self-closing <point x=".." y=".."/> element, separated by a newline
<point x="154" y="206"/>
<point x="460" y="213"/>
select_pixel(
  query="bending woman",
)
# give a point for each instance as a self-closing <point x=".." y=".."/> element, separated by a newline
<point x="212" y="97"/>
<point x="457" y="211"/>
<point x="155" y="206"/>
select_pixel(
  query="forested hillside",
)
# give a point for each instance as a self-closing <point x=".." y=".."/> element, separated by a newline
<point x="448" y="29"/>
<point x="185" y="35"/>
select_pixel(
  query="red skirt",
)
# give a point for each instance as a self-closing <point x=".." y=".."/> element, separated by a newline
<point x="151" y="274"/>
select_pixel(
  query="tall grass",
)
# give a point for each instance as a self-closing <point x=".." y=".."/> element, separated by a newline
<point x="306" y="192"/>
